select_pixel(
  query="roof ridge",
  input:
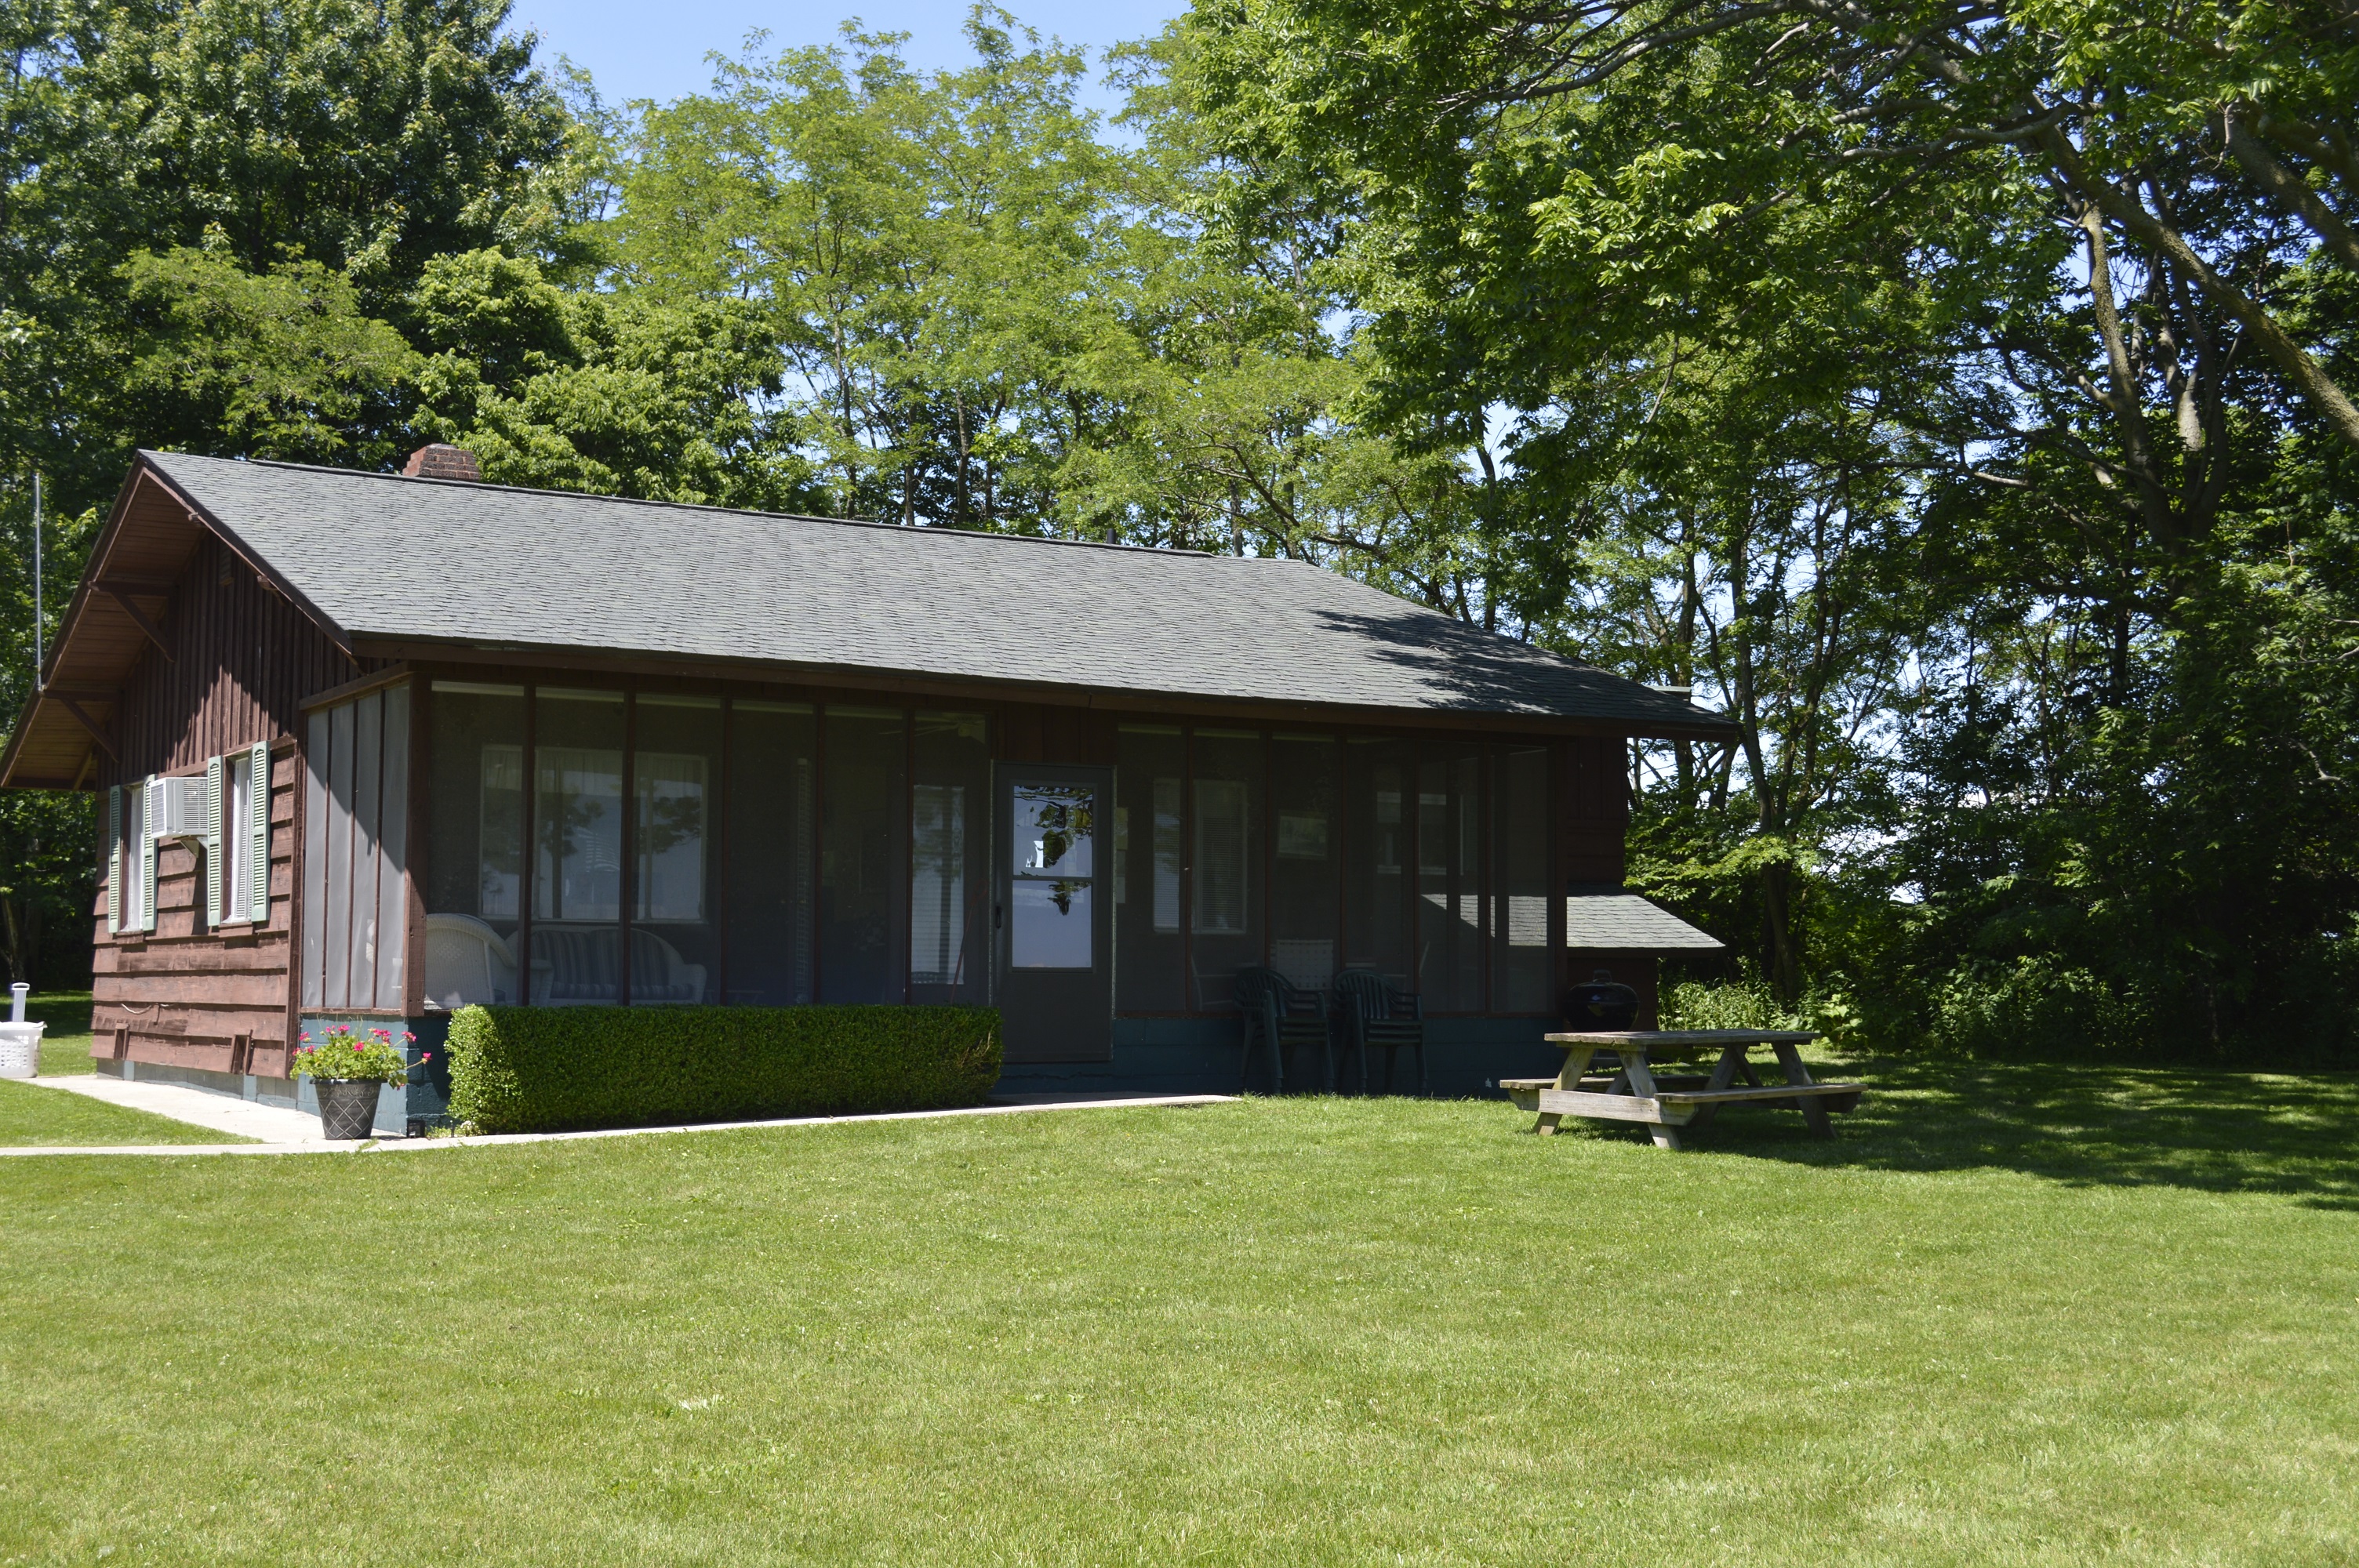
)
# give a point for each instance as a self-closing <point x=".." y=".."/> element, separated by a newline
<point x="919" y="529"/>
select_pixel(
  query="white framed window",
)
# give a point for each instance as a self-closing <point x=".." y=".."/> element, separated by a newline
<point x="237" y="837"/>
<point x="135" y="856"/>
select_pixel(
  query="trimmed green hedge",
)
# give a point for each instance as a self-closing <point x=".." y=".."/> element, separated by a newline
<point x="545" y="1069"/>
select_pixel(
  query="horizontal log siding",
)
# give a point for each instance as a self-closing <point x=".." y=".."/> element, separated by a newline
<point x="183" y="996"/>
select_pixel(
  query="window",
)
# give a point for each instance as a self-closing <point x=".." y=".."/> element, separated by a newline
<point x="575" y="942"/>
<point x="131" y="863"/>
<point x="1305" y="858"/>
<point x="474" y="815"/>
<point x="1150" y="771"/>
<point x="1524" y="975"/>
<point x="772" y="796"/>
<point x="237" y="837"/>
<point x="863" y="878"/>
<point x="946" y="872"/>
<point x="1449" y="927"/>
<point x="1225" y="897"/>
<point x="1376" y="909"/>
<point x="675" y="768"/>
<point x="577" y="870"/>
<point x="1053" y="836"/>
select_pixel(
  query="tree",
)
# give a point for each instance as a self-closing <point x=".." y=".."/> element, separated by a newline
<point x="2046" y="304"/>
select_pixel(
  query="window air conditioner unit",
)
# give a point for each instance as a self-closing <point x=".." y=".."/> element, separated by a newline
<point x="176" y="808"/>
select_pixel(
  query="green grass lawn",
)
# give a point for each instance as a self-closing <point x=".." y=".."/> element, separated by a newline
<point x="29" y="1114"/>
<point x="65" y="1045"/>
<point x="2012" y="1316"/>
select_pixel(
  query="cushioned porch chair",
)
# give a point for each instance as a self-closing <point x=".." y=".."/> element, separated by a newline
<point x="1281" y="1015"/>
<point x="1376" y="1013"/>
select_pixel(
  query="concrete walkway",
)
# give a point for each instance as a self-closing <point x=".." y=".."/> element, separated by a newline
<point x="298" y="1133"/>
<point x="199" y="1107"/>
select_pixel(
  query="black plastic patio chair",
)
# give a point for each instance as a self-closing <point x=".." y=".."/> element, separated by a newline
<point x="1378" y="1015"/>
<point x="1282" y="1016"/>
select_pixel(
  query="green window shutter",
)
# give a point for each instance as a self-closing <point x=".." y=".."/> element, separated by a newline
<point x="258" y="797"/>
<point x="215" y="879"/>
<point x="114" y="859"/>
<point x="147" y="855"/>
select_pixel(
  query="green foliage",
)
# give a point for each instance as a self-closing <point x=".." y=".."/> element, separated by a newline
<point x="280" y="366"/>
<point x="533" y="1069"/>
<point x="323" y="137"/>
<point x="342" y="1052"/>
<point x="1960" y="401"/>
<point x="615" y="394"/>
<point x="1747" y="1003"/>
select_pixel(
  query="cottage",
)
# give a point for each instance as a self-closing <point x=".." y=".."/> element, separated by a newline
<point x="372" y="747"/>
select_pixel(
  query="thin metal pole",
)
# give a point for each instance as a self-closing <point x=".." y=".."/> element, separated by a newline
<point x="38" y="601"/>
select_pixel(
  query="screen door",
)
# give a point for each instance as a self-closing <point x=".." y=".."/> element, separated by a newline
<point x="1055" y="921"/>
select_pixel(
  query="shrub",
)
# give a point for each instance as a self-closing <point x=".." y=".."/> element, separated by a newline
<point x="538" y="1069"/>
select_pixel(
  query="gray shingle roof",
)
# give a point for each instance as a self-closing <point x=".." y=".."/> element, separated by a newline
<point x="1610" y="918"/>
<point x="383" y="556"/>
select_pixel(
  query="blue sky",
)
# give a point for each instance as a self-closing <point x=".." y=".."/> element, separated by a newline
<point x="637" y="49"/>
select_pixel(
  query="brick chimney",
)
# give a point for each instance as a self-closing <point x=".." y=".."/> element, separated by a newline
<point x="439" y="461"/>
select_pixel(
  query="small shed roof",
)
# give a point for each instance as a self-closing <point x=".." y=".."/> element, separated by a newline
<point x="1615" y="918"/>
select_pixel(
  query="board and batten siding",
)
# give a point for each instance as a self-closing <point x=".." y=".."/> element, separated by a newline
<point x="237" y="661"/>
<point x="356" y="853"/>
<point x="242" y="660"/>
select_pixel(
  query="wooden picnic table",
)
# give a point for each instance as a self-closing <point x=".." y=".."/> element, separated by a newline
<point x="1666" y="1107"/>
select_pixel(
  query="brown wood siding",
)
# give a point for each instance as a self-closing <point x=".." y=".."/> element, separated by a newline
<point x="186" y="995"/>
<point x="242" y="661"/>
<point x="1595" y="812"/>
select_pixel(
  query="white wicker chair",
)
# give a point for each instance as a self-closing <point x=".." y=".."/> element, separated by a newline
<point x="467" y="961"/>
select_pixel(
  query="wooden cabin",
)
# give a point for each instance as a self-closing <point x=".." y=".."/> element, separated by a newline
<point x="374" y="746"/>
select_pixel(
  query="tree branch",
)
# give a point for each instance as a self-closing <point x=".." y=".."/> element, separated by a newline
<point x="2308" y="376"/>
<point x="2291" y="192"/>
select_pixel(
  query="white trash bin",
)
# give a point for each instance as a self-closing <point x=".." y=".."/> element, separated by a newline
<point x="20" y="1043"/>
<point x="20" y="1049"/>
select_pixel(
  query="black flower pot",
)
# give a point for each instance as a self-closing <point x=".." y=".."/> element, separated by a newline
<point x="1601" y="1006"/>
<point x="347" y="1106"/>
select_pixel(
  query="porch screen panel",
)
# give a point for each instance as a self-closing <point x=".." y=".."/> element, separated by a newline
<point x="675" y="778"/>
<point x="368" y="782"/>
<point x="393" y="850"/>
<point x="577" y="857"/>
<point x="1450" y="913"/>
<point x="1305" y="790"/>
<point x="865" y="814"/>
<point x="317" y="732"/>
<point x="1224" y="863"/>
<point x="1522" y="976"/>
<point x="1149" y="859"/>
<point x="338" y="969"/>
<point x="771" y="792"/>
<point x="355" y="852"/>
<point x="474" y="822"/>
<point x="948" y="813"/>
<point x="1377" y="878"/>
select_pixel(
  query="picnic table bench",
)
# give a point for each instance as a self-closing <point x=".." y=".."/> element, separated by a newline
<point x="1665" y="1104"/>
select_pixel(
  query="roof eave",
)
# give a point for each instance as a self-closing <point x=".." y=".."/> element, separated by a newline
<point x="143" y="468"/>
<point x="429" y="649"/>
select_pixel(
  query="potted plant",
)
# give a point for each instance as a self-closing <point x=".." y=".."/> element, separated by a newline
<point x="345" y="1069"/>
